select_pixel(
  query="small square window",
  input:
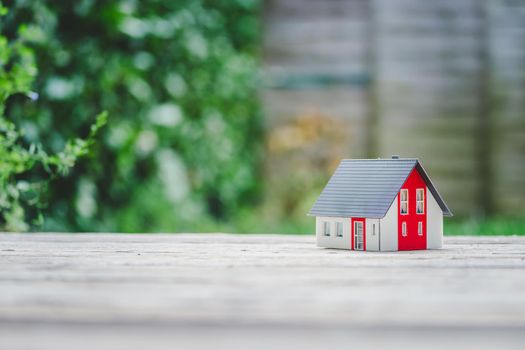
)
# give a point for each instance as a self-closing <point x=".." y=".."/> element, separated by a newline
<point x="404" y="229"/>
<point x="339" y="229"/>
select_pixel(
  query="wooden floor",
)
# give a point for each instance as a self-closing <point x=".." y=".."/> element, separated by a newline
<point x="215" y="291"/>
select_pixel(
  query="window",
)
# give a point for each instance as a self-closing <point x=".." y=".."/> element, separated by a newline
<point x="326" y="228"/>
<point x="358" y="235"/>
<point x="373" y="229"/>
<point x="420" y="228"/>
<point x="420" y="201"/>
<point x="403" y="208"/>
<point x="404" y="229"/>
<point x="339" y="229"/>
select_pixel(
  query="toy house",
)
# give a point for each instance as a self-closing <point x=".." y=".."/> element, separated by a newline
<point x="380" y="205"/>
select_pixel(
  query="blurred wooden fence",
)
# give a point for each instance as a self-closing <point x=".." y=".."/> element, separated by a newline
<point x="443" y="81"/>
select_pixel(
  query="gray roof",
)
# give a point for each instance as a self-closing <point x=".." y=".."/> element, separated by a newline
<point x="367" y="188"/>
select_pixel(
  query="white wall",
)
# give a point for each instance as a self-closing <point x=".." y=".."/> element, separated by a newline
<point x="434" y="223"/>
<point x="372" y="240"/>
<point x="388" y="228"/>
<point x="333" y="241"/>
<point x="386" y="238"/>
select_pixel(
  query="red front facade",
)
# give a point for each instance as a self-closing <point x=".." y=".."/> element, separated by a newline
<point x="412" y="213"/>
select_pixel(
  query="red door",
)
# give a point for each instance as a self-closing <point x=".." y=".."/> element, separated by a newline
<point x="358" y="234"/>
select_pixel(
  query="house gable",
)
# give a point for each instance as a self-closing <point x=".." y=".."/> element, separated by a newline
<point x="433" y="190"/>
<point x="411" y="224"/>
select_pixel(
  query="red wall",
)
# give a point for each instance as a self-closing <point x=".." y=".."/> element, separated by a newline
<point x="412" y="241"/>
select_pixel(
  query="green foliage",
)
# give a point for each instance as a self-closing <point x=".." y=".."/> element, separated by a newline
<point x="17" y="160"/>
<point x="179" y="79"/>
<point x="485" y="227"/>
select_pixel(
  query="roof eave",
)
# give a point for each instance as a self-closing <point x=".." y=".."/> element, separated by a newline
<point x="441" y="202"/>
<point x="346" y="216"/>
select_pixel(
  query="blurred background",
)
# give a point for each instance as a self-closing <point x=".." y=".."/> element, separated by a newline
<point x="231" y="115"/>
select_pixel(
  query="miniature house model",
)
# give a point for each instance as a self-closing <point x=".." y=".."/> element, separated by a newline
<point x="380" y="205"/>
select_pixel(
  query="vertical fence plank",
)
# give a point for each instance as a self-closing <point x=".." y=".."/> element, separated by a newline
<point x="484" y="113"/>
<point x="372" y="115"/>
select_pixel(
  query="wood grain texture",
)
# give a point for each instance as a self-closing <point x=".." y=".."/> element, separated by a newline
<point x="115" y="291"/>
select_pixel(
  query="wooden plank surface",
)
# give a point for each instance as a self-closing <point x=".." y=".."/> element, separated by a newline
<point x="115" y="291"/>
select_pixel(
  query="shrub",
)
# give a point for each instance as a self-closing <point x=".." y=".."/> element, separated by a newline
<point x="18" y="190"/>
<point x="179" y="81"/>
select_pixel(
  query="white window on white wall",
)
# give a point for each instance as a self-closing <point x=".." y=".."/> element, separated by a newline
<point x="420" y="228"/>
<point x="403" y="207"/>
<point x="420" y="201"/>
<point x="404" y="229"/>
<point x="326" y="228"/>
<point x="339" y="229"/>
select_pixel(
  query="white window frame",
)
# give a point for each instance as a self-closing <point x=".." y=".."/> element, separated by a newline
<point x="420" y="228"/>
<point x="401" y="201"/>
<point x="338" y="225"/>
<point x="420" y="201"/>
<point x="404" y="228"/>
<point x="327" y="228"/>
<point x="359" y="244"/>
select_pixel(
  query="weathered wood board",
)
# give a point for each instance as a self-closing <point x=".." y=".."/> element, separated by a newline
<point x="116" y="291"/>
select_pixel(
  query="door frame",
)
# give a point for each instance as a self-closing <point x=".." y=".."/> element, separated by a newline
<point x="353" y="225"/>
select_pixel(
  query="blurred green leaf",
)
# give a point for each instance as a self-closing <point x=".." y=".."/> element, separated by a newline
<point x="20" y="192"/>
<point x="179" y="81"/>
